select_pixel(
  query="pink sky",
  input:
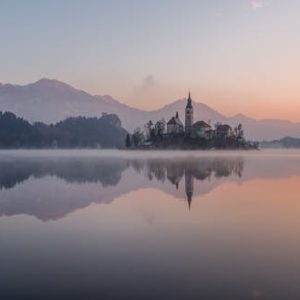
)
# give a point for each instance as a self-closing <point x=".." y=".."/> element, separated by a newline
<point x="237" y="56"/>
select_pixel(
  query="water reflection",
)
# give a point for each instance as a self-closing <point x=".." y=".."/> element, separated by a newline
<point x="50" y="188"/>
<point x="108" y="173"/>
<point x="138" y="239"/>
<point x="190" y="169"/>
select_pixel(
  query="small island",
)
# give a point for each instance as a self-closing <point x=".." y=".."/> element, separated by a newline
<point x="190" y="136"/>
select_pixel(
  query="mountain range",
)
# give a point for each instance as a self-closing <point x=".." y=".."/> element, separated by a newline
<point x="51" y="101"/>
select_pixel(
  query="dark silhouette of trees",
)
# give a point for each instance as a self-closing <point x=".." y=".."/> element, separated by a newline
<point x="128" y="141"/>
<point x="138" y="137"/>
<point x="222" y="136"/>
<point x="79" y="132"/>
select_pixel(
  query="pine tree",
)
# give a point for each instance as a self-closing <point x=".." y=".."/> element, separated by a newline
<point x="128" y="142"/>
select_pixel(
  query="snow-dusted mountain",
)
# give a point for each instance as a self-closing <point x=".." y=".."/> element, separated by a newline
<point x="51" y="101"/>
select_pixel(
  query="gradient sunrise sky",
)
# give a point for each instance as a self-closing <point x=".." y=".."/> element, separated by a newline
<point x="237" y="56"/>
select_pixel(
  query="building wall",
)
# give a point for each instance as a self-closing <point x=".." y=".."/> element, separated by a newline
<point x="224" y="133"/>
<point x="189" y="120"/>
<point x="171" y="129"/>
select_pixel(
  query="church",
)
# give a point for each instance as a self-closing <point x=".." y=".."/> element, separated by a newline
<point x="190" y="134"/>
<point x="199" y="129"/>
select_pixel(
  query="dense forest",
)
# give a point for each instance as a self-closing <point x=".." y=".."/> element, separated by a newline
<point x="75" y="132"/>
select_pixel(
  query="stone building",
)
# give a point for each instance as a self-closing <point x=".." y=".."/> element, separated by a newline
<point x="224" y="131"/>
<point x="201" y="129"/>
<point x="175" y="126"/>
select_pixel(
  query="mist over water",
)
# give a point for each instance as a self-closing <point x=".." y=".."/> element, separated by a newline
<point x="148" y="225"/>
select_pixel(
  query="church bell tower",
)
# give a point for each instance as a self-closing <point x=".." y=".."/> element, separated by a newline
<point x="189" y="116"/>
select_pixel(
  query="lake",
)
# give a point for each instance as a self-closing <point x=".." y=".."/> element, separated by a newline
<point x="149" y="225"/>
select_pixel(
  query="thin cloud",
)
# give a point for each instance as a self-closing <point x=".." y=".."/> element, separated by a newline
<point x="147" y="90"/>
<point x="149" y="82"/>
<point x="257" y="4"/>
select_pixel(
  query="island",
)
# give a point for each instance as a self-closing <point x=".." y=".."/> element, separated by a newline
<point x="190" y="136"/>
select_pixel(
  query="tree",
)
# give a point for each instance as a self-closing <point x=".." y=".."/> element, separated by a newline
<point x="240" y="131"/>
<point x="137" y="137"/>
<point x="236" y="132"/>
<point x="128" y="141"/>
<point x="217" y="125"/>
<point x="79" y="132"/>
<point x="160" y="127"/>
<point x="148" y="129"/>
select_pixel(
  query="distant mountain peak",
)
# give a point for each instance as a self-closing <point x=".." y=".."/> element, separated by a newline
<point x="106" y="97"/>
<point x="242" y="117"/>
<point x="239" y="116"/>
<point x="49" y="80"/>
<point x="46" y="82"/>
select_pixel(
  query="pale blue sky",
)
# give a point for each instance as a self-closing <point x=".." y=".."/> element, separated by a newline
<point x="233" y="54"/>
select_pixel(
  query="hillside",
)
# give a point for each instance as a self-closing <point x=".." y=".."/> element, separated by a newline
<point x="74" y="132"/>
<point x="51" y="101"/>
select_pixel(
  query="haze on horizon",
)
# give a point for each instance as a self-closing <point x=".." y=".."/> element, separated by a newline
<point x="237" y="56"/>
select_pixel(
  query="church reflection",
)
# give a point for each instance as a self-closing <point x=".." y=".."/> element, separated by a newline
<point x="53" y="187"/>
<point x="189" y="186"/>
<point x="189" y="170"/>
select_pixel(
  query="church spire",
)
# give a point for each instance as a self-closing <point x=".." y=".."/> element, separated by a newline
<point x="189" y="116"/>
<point x="189" y="100"/>
<point x="189" y="185"/>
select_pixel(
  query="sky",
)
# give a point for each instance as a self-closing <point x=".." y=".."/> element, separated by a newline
<point x="237" y="56"/>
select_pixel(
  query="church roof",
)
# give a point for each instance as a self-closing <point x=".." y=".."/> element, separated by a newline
<point x="224" y="127"/>
<point x="201" y="124"/>
<point x="175" y="121"/>
<point x="189" y="101"/>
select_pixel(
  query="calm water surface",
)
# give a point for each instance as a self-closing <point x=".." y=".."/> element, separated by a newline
<point x="157" y="225"/>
